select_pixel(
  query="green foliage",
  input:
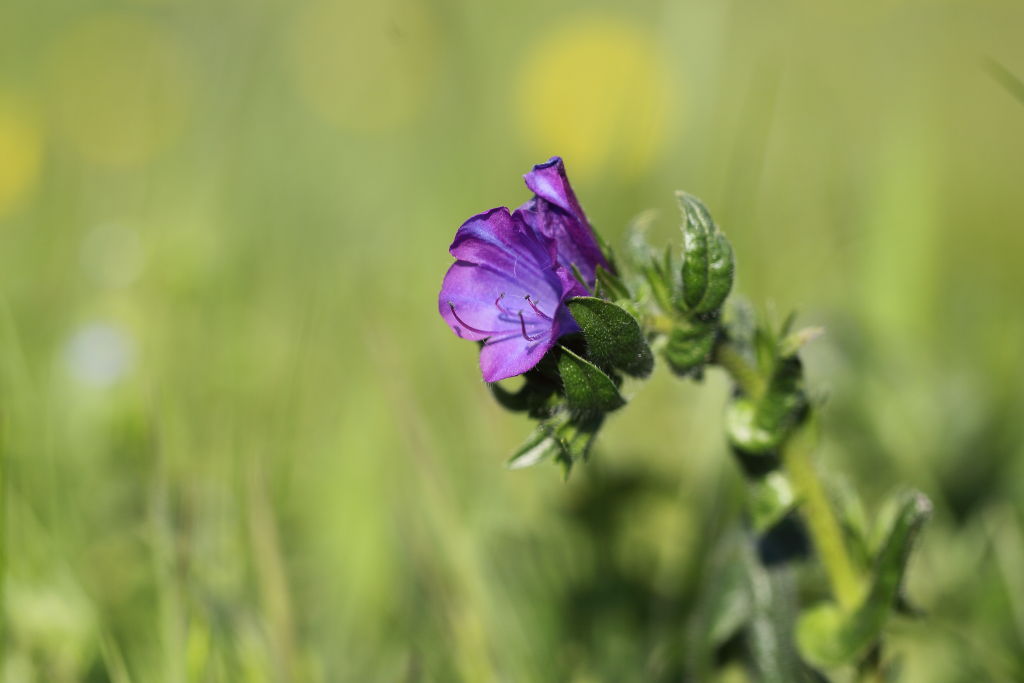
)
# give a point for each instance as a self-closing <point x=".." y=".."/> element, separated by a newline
<point x="828" y="636"/>
<point x="563" y="438"/>
<point x="708" y="265"/>
<point x="771" y="498"/>
<point x="689" y="346"/>
<point x="588" y="390"/>
<point x="614" y="339"/>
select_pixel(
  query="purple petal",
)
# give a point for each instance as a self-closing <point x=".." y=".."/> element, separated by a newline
<point x="556" y="214"/>
<point x="501" y="358"/>
<point x="504" y="243"/>
<point x="549" y="182"/>
<point x="472" y="290"/>
<point x="570" y="285"/>
<point x="513" y="355"/>
<point x="506" y="289"/>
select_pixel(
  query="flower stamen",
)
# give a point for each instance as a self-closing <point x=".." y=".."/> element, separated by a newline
<point x="522" y="324"/>
<point x="535" y="309"/>
<point x="468" y="326"/>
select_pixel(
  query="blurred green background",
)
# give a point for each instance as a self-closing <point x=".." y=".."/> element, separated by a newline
<point x="240" y="445"/>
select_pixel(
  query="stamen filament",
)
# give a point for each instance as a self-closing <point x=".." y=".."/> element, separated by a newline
<point x="470" y="327"/>
<point x="522" y="324"/>
<point x="535" y="309"/>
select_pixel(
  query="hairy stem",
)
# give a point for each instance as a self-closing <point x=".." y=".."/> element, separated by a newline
<point x="821" y="520"/>
<point x="739" y="368"/>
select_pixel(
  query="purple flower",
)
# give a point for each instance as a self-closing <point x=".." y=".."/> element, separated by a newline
<point x="508" y="289"/>
<point x="514" y="272"/>
<point x="554" y="213"/>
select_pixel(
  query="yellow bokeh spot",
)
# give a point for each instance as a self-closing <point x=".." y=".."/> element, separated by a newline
<point x="119" y="89"/>
<point x="597" y="93"/>
<point x="20" y="153"/>
<point x="365" y="66"/>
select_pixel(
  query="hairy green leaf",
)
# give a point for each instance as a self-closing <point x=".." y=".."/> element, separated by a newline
<point x="588" y="390"/>
<point x="614" y="338"/>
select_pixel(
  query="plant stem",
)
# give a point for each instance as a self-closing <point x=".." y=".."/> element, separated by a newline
<point x="821" y="521"/>
<point x="743" y="373"/>
<point x="822" y="524"/>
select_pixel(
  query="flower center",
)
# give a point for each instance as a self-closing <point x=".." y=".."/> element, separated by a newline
<point x="507" y="316"/>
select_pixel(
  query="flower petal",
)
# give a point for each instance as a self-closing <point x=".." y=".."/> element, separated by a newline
<point x="503" y="242"/>
<point x="472" y="290"/>
<point x="556" y="214"/>
<point x="513" y="355"/>
<point x="549" y="182"/>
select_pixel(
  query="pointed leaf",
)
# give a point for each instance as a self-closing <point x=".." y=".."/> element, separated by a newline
<point x="611" y="284"/>
<point x="829" y="638"/>
<point x="698" y="230"/>
<point x="542" y="445"/>
<point x="588" y="390"/>
<point x="721" y="268"/>
<point x="614" y="338"/>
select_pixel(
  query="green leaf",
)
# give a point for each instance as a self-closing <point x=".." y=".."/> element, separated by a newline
<point x="614" y="338"/>
<point x="588" y="390"/>
<point x="708" y="261"/>
<point x="697" y="230"/>
<point x="827" y="636"/>
<point x="611" y="284"/>
<point x="688" y="347"/>
<point x="744" y="432"/>
<point x="565" y="438"/>
<point x="771" y="498"/>
<point x="784" y="401"/>
<point x="540" y="446"/>
<point x="721" y="268"/>
<point x="536" y="396"/>
<point x="660" y="284"/>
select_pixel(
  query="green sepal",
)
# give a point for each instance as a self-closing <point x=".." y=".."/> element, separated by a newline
<point x="588" y="390"/>
<point x="578" y="276"/>
<point x="827" y="636"/>
<point x="541" y="445"/>
<point x="564" y="438"/>
<point x="784" y="403"/>
<point x="688" y="347"/>
<point x="536" y="397"/>
<point x="610" y="284"/>
<point x="614" y="338"/>
<point x="660" y="284"/>
<point x="607" y="251"/>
